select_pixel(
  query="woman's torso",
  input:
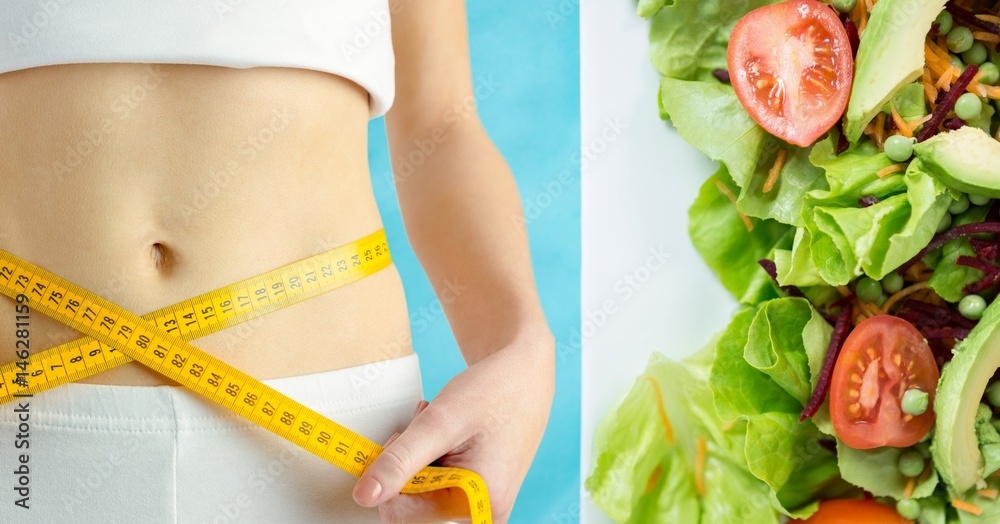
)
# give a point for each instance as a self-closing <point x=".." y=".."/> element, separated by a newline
<point x="233" y="172"/>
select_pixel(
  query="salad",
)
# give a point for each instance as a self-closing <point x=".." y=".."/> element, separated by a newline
<point x="854" y="217"/>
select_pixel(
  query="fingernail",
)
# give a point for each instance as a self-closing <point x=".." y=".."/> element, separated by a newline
<point x="420" y="407"/>
<point x="367" y="491"/>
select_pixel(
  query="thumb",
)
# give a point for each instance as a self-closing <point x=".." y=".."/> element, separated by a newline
<point x="423" y="442"/>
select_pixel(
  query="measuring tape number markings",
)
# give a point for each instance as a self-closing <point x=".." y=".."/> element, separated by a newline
<point x="158" y="340"/>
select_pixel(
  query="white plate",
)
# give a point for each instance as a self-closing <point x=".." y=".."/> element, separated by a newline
<point x="639" y="179"/>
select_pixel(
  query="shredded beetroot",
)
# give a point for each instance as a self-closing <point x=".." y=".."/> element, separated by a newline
<point x="952" y="124"/>
<point x="975" y="263"/>
<point x="843" y="300"/>
<point x="985" y="249"/>
<point x="722" y="76"/>
<point x="988" y="281"/>
<point x="867" y="200"/>
<point x="852" y="33"/>
<point x="840" y="330"/>
<point x="935" y="30"/>
<point x="931" y="315"/>
<point x="772" y="271"/>
<point x="947" y="103"/>
<point x="968" y="18"/>
<point x="842" y="143"/>
<point x="943" y="238"/>
<point x="945" y="332"/>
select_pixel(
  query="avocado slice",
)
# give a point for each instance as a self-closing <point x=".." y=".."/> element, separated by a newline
<point x="955" y="448"/>
<point x="891" y="55"/>
<point x="966" y="159"/>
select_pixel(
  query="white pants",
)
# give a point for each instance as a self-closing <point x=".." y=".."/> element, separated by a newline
<point x="163" y="454"/>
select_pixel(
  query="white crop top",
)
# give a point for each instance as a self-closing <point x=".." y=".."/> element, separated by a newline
<point x="348" y="38"/>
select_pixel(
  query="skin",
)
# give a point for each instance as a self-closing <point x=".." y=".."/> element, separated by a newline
<point x="126" y="222"/>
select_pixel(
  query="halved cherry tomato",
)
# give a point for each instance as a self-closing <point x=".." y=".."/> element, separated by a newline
<point x="845" y="511"/>
<point x="882" y="358"/>
<point x="792" y="67"/>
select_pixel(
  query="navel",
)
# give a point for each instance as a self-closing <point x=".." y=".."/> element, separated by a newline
<point x="160" y="256"/>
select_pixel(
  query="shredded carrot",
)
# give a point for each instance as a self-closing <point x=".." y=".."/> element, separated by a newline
<point x="920" y="121"/>
<point x="901" y="294"/>
<point x="939" y="50"/>
<point x="946" y="79"/>
<point x="910" y="484"/>
<point x="870" y="5"/>
<point x="965" y="506"/>
<point x="663" y="411"/>
<point x="861" y="17"/>
<point x="653" y="477"/>
<point x="986" y="36"/>
<point x="989" y="18"/>
<point x="990" y="493"/>
<point x="930" y="92"/>
<point x="993" y="92"/>
<point x="880" y="129"/>
<point x="772" y="175"/>
<point x="901" y="124"/>
<point x="870" y="309"/>
<point x="844" y="291"/>
<point x="732" y="198"/>
<point x="699" y="467"/>
<point x="934" y="61"/>
<point x="976" y="88"/>
<point x="726" y="426"/>
<point x="895" y="168"/>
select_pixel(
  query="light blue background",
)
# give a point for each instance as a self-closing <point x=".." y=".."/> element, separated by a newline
<point x="531" y="50"/>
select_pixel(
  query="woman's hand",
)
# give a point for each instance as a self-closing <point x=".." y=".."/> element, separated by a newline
<point x="489" y="419"/>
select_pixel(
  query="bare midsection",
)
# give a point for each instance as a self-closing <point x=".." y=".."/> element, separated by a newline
<point x="152" y="184"/>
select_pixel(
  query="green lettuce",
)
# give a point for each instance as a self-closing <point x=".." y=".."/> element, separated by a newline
<point x="877" y="471"/>
<point x="846" y="240"/>
<point x="723" y="241"/>
<point x="708" y="116"/>
<point x="949" y="278"/>
<point x="644" y="467"/>
<point x="688" y="40"/>
<point x="765" y="369"/>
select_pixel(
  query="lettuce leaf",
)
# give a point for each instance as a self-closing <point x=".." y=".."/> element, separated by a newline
<point x="765" y="369"/>
<point x="846" y="240"/>
<point x="708" y="116"/>
<point x="688" y="40"/>
<point x="949" y="278"/>
<point x="877" y="471"/>
<point x="724" y="243"/>
<point x="642" y="476"/>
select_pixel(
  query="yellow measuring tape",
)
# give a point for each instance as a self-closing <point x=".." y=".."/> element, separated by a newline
<point x="158" y="340"/>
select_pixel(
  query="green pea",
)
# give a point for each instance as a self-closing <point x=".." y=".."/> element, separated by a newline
<point x="977" y="200"/>
<point x="956" y="61"/>
<point x="868" y="289"/>
<point x="976" y="54"/>
<point x="990" y="72"/>
<point x="898" y="148"/>
<point x="959" y="205"/>
<point x="993" y="394"/>
<point x="944" y="22"/>
<point x="911" y="463"/>
<point x="845" y="5"/>
<point x="968" y="106"/>
<point x="892" y="282"/>
<point x="908" y="509"/>
<point x="972" y="306"/>
<point x="914" y="402"/>
<point x="945" y="223"/>
<point x="960" y="39"/>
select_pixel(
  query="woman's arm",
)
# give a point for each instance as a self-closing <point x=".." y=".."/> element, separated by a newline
<point x="465" y="223"/>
